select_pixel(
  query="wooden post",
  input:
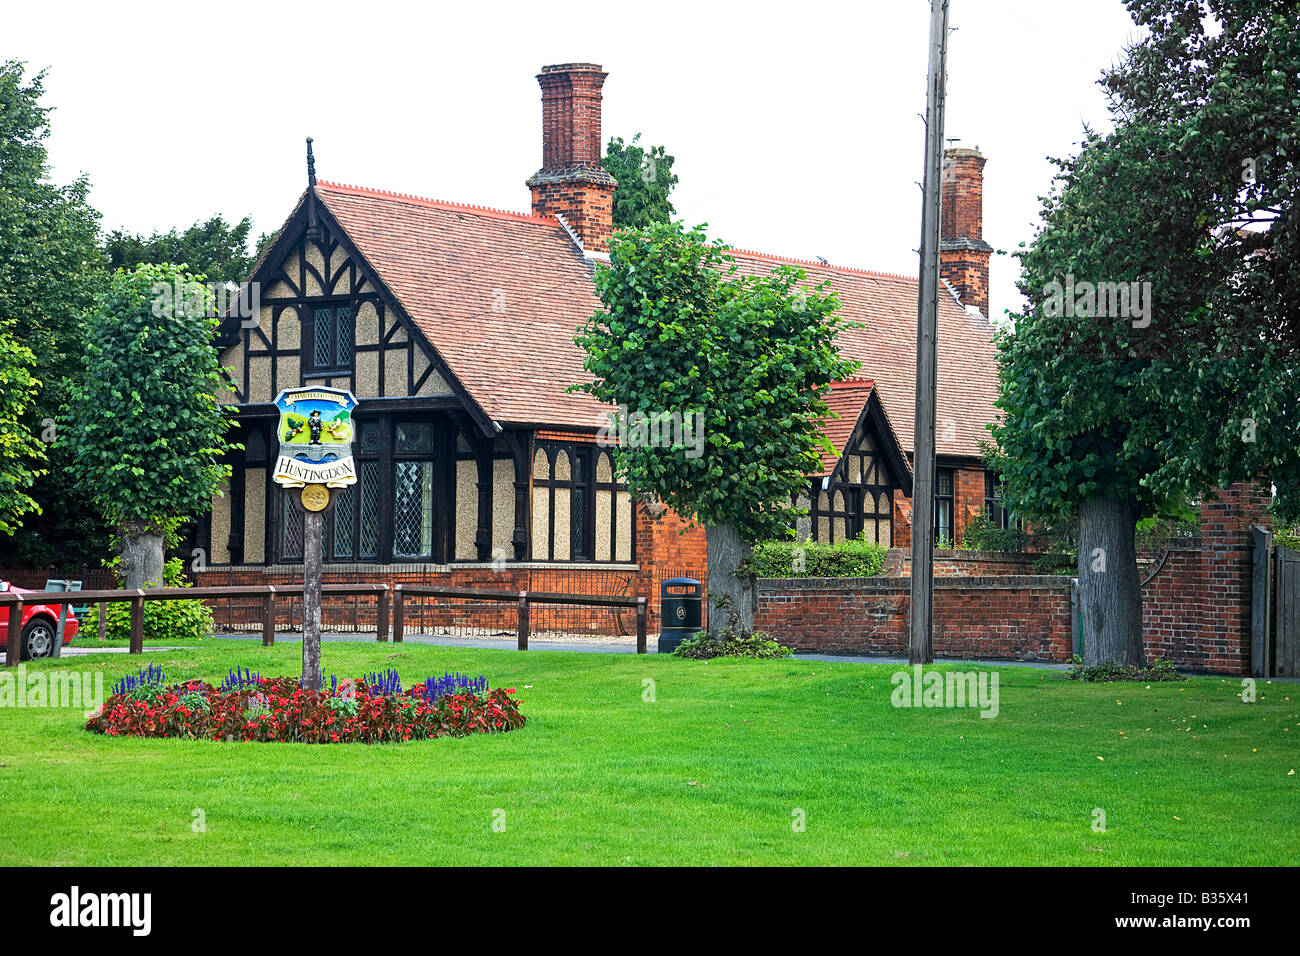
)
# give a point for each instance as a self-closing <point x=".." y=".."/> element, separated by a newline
<point x="523" y="620"/>
<point x="14" y="647"/>
<point x="399" y="613"/>
<point x="640" y="625"/>
<point x="921" y="626"/>
<point x="268" y="616"/>
<point x="313" y="524"/>
<point x="137" y="623"/>
<point x="381" y="615"/>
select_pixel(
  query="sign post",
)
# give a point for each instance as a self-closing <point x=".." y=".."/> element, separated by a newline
<point x="316" y="457"/>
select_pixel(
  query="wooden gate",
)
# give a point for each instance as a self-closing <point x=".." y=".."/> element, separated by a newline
<point x="1286" y="647"/>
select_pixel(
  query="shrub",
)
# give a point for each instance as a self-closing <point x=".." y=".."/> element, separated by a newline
<point x="982" y="535"/>
<point x="854" y="558"/>
<point x="758" y="646"/>
<point x="1158" y="670"/>
<point x="278" y="709"/>
<point x="163" y="620"/>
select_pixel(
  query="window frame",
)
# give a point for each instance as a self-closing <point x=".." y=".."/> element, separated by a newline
<point x="949" y="498"/>
<point x="335" y="366"/>
<point x="432" y="459"/>
<point x="584" y="458"/>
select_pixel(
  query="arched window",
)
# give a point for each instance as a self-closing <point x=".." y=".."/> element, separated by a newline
<point x="580" y="511"/>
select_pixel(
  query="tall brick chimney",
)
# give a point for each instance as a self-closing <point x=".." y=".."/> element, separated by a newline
<point x="963" y="253"/>
<point x="571" y="182"/>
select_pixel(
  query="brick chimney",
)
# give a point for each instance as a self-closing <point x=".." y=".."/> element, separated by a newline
<point x="571" y="182"/>
<point x="963" y="253"/>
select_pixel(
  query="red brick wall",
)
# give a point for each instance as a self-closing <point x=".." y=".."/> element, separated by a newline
<point x="1196" y="607"/>
<point x="1195" y="603"/>
<point x="1012" y="618"/>
<point x="956" y="563"/>
<point x="968" y="497"/>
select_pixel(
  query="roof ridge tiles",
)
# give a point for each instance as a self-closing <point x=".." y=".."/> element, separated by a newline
<point x="820" y="265"/>
<point x="437" y="203"/>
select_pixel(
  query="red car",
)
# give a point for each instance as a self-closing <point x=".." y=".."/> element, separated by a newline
<point x="40" y="624"/>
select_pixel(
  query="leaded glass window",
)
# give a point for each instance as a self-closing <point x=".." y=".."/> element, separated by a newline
<point x="333" y="336"/>
<point x="370" y="510"/>
<point x="413" y="509"/>
<point x="341" y="529"/>
<point x="291" y="531"/>
<point x="943" y="508"/>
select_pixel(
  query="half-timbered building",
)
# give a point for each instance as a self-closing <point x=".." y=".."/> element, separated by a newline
<point x="453" y="325"/>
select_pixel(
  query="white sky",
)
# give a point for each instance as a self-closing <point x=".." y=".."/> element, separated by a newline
<point x="796" y="127"/>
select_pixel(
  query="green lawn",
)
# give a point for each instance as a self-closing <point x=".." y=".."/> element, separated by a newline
<point x="711" y="772"/>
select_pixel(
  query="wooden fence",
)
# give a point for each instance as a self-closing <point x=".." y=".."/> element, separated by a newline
<point x="269" y="594"/>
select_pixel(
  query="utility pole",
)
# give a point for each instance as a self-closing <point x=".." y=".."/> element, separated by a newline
<point x="921" y="639"/>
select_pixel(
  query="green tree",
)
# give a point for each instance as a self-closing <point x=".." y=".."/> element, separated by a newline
<point x="746" y="360"/>
<point x="21" y="452"/>
<point x="145" y="427"/>
<point x="215" y="249"/>
<point x="51" y="270"/>
<point x="1117" y="414"/>
<point x="645" y="180"/>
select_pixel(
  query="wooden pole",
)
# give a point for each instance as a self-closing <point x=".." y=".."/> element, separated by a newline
<point x="313" y="523"/>
<point x="640" y="625"/>
<point x="268" y="616"/>
<point x="137" y="623"/>
<point x="921" y="627"/>
<point x="399" y="613"/>
<point x="14" y="646"/>
<point x="523" y="620"/>
<point x="381" y="613"/>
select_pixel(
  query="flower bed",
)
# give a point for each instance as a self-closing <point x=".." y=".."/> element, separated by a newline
<point x="247" y="706"/>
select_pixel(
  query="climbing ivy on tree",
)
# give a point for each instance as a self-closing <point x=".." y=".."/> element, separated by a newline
<point x="682" y="331"/>
<point x="645" y="181"/>
<point x="145" y="427"/>
<point x="1115" y="417"/>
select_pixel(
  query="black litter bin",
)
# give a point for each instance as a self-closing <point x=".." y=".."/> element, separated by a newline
<point x="681" y="603"/>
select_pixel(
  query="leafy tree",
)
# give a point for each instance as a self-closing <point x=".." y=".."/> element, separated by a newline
<point x="214" y="248"/>
<point x="752" y="356"/>
<point x="51" y="270"/>
<point x="645" y="180"/>
<point x="264" y="242"/>
<point x="1116" y="415"/>
<point x="145" y="427"/>
<point x="20" y="451"/>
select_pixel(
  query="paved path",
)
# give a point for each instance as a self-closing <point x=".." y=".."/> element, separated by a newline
<point x="589" y="647"/>
<point x="621" y="648"/>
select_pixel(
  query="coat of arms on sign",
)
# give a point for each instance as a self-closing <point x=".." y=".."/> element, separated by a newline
<point x="316" y="433"/>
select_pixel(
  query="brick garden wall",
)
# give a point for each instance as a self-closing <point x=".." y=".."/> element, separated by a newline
<point x="1016" y="618"/>
<point x="1195" y="601"/>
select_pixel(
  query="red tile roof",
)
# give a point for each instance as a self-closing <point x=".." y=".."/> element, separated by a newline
<point x="886" y="346"/>
<point x="846" y="399"/>
<point x="501" y="294"/>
